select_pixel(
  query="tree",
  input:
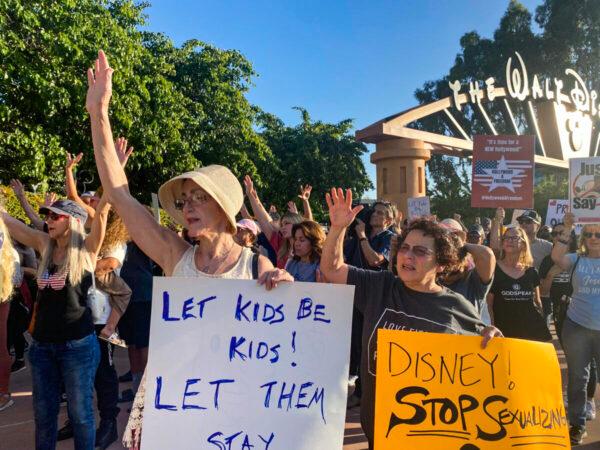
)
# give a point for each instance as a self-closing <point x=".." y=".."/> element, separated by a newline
<point x="569" y="37"/>
<point x="316" y="153"/>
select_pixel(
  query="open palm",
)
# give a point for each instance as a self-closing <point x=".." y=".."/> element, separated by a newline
<point x="341" y="212"/>
<point x="99" y="85"/>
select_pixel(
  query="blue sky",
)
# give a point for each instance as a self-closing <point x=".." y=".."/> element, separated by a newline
<point x="338" y="59"/>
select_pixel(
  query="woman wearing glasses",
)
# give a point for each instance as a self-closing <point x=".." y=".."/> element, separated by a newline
<point x="412" y="300"/>
<point x="581" y="329"/>
<point x="204" y="201"/>
<point x="64" y="349"/>
<point x="514" y="300"/>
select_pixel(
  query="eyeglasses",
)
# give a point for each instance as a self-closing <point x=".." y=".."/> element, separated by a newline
<point x="54" y="217"/>
<point x="512" y="238"/>
<point x="417" y="250"/>
<point x="196" y="198"/>
<point x="588" y="235"/>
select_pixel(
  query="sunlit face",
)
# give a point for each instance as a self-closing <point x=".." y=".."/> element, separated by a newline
<point x="591" y="236"/>
<point x="286" y="228"/>
<point x="244" y="237"/>
<point x="380" y="218"/>
<point x="512" y="241"/>
<point x="58" y="225"/>
<point x="416" y="258"/>
<point x="201" y="212"/>
<point x="302" y="246"/>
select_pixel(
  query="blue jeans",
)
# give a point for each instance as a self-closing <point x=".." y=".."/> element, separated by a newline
<point x="581" y="345"/>
<point x="73" y="363"/>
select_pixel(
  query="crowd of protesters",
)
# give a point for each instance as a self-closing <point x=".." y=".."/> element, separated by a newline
<point x="78" y="280"/>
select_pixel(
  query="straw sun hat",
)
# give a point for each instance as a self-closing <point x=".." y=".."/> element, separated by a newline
<point x="217" y="181"/>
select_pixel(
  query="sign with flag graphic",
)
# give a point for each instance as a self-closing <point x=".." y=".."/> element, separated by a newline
<point x="503" y="171"/>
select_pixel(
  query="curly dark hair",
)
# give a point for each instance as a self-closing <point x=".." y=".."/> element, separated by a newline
<point x="446" y="253"/>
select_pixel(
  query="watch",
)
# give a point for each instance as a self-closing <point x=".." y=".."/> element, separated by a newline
<point x="362" y="239"/>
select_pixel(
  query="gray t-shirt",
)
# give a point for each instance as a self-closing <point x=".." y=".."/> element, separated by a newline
<point x="584" y="308"/>
<point x="472" y="288"/>
<point x="540" y="248"/>
<point x="387" y="303"/>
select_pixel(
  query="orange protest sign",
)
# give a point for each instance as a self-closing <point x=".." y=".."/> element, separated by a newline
<point x="444" y="392"/>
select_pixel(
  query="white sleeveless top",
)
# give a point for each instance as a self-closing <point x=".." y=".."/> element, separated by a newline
<point x="186" y="267"/>
<point x="242" y="270"/>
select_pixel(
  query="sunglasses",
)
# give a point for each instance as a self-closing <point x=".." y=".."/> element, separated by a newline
<point x="512" y="238"/>
<point x="197" y="198"/>
<point x="588" y="235"/>
<point x="417" y="250"/>
<point x="53" y="216"/>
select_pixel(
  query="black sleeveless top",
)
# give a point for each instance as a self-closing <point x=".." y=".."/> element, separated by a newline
<point x="514" y="308"/>
<point x="61" y="313"/>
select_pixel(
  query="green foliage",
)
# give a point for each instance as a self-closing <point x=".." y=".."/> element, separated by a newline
<point x="569" y="37"/>
<point x="316" y="153"/>
<point x="9" y="201"/>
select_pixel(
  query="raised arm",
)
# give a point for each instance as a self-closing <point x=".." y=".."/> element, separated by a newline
<point x="496" y="231"/>
<point x="38" y="240"/>
<point x="160" y="244"/>
<point x="94" y="239"/>
<point x="71" y="185"/>
<point x="305" y="197"/>
<point x="374" y="259"/>
<point x="561" y="248"/>
<point x="19" y="191"/>
<point x="262" y="216"/>
<point x="484" y="260"/>
<point x="341" y="215"/>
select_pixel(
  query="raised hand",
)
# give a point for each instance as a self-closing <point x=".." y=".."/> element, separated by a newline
<point x="360" y="229"/>
<point x="122" y="151"/>
<point x="99" y="85"/>
<point x="73" y="161"/>
<point x="500" y="214"/>
<point x="17" y="188"/>
<point x="341" y="212"/>
<point x="49" y="198"/>
<point x="272" y="209"/>
<point x="292" y="207"/>
<point x="569" y="221"/>
<point x="249" y="185"/>
<point x="305" y="192"/>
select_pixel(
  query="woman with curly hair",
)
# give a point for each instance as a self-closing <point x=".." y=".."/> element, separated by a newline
<point x="412" y="300"/>
<point x="308" y="238"/>
<point x="514" y="300"/>
<point x="9" y="271"/>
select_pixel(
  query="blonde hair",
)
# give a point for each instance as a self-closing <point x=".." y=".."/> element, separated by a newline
<point x="116" y="233"/>
<point x="581" y="248"/>
<point x="7" y="265"/>
<point x="525" y="258"/>
<point x="77" y="261"/>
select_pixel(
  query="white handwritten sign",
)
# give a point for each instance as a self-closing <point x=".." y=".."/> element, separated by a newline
<point x="584" y="189"/>
<point x="418" y="207"/>
<point x="556" y="211"/>
<point x="235" y="367"/>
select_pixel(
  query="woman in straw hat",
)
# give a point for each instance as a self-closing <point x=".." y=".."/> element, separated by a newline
<point x="204" y="201"/>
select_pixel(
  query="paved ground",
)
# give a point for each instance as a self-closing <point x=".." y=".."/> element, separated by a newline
<point x="17" y="428"/>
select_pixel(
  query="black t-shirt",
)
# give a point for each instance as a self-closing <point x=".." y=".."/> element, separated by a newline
<point x="387" y="303"/>
<point x="514" y="308"/>
<point x="62" y="315"/>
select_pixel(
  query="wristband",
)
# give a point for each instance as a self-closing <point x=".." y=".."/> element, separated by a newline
<point x="362" y="239"/>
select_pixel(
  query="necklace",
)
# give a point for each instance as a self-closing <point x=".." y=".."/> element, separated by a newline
<point x="220" y="260"/>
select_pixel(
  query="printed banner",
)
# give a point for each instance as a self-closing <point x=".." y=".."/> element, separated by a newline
<point x="556" y="211"/>
<point x="584" y="189"/>
<point x="418" y="207"/>
<point x="503" y="169"/>
<point x="232" y="366"/>
<point x="444" y="392"/>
